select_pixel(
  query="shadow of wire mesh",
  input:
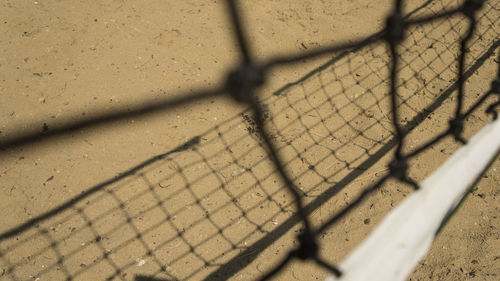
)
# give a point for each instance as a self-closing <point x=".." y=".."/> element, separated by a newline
<point x="207" y="209"/>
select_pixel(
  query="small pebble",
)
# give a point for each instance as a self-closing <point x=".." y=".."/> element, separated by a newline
<point x="140" y="262"/>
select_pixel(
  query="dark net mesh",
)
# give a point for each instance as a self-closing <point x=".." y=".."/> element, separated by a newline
<point x="208" y="208"/>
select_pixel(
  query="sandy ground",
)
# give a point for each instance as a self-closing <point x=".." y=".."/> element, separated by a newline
<point x="217" y="209"/>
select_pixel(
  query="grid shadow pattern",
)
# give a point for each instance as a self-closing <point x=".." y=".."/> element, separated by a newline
<point x="209" y="207"/>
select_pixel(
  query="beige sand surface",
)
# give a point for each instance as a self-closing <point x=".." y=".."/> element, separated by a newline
<point x="219" y="209"/>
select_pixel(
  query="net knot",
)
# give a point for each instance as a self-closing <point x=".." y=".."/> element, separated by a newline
<point x="399" y="168"/>
<point x="243" y="81"/>
<point x="492" y="110"/>
<point x="456" y="128"/>
<point x="471" y="6"/>
<point x="308" y="247"/>
<point x="395" y="28"/>
<point x="495" y="85"/>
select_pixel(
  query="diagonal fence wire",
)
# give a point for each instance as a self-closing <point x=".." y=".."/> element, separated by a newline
<point x="342" y="110"/>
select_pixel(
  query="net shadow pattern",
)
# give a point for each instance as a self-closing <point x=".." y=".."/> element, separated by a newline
<point x="209" y="207"/>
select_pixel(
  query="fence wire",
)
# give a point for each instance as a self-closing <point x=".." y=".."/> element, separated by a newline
<point x="209" y="207"/>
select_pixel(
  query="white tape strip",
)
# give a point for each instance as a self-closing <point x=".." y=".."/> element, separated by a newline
<point x="405" y="235"/>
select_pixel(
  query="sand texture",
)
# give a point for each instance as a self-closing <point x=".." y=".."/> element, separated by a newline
<point x="189" y="192"/>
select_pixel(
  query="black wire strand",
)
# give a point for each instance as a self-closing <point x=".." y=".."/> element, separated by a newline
<point x="236" y="21"/>
<point x="469" y="9"/>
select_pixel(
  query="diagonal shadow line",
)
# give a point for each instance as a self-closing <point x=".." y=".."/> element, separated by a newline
<point x="9" y="233"/>
<point x="251" y="253"/>
<point x="150" y="107"/>
<point x="370" y="39"/>
<point x="321" y="199"/>
<point x="148" y="278"/>
<point x="155" y="106"/>
<point x="108" y="116"/>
